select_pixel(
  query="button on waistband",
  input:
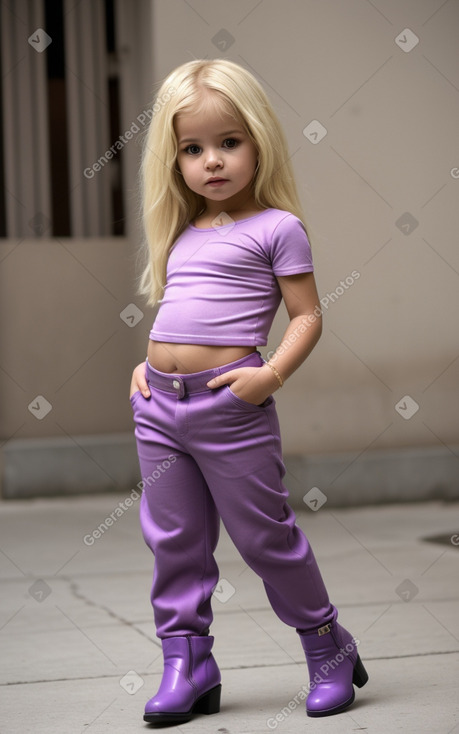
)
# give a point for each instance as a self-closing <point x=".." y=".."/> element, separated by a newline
<point x="178" y="385"/>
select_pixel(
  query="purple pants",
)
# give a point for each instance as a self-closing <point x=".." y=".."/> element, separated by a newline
<point x="204" y="455"/>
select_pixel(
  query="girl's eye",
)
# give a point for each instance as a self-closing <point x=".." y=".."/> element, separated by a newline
<point x="192" y="149"/>
<point x="229" y="144"/>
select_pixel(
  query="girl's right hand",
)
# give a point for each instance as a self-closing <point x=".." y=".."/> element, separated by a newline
<point x="138" y="382"/>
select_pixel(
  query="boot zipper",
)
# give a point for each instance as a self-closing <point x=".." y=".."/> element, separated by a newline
<point x="191" y="680"/>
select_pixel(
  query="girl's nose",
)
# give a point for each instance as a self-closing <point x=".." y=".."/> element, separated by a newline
<point x="212" y="160"/>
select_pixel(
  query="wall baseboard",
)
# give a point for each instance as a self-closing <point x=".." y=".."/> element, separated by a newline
<point x="48" y="467"/>
<point x="108" y="463"/>
<point x="347" y="479"/>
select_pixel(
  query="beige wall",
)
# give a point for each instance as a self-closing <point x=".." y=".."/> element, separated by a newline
<point x="63" y="337"/>
<point x="392" y="120"/>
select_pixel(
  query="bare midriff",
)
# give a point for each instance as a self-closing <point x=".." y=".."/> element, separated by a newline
<point x="186" y="358"/>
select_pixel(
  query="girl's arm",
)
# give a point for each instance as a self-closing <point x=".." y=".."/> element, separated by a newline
<point x="303" y="332"/>
<point x="254" y="384"/>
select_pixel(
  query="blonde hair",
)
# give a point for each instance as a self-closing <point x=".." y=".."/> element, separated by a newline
<point x="168" y="204"/>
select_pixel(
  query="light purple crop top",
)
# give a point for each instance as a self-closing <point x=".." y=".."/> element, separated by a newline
<point x="221" y="286"/>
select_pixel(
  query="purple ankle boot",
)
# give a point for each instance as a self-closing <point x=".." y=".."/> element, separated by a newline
<point x="190" y="683"/>
<point x="334" y="666"/>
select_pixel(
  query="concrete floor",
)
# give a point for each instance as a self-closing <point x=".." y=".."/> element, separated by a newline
<point x="78" y="646"/>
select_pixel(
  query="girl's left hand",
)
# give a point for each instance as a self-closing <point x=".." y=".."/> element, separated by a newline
<point x="252" y="384"/>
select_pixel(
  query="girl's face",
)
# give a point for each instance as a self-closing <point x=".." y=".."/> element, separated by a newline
<point x="216" y="157"/>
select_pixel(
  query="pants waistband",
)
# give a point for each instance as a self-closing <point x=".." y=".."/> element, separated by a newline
<point x="194" y="382"/>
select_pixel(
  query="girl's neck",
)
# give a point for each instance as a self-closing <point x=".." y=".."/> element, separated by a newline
<point x="240" y="209"/>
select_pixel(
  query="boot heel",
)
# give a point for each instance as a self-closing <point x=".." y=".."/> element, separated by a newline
<point x="360" y="675"/>
<point x="209" y="703"/>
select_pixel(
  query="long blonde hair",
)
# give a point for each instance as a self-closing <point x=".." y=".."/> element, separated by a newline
<point x="168" y="204"/>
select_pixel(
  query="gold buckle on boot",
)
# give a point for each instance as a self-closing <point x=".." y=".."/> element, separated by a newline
<point x="324" y="630"/>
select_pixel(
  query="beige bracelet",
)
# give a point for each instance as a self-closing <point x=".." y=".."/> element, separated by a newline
<point x="279" y="378"/>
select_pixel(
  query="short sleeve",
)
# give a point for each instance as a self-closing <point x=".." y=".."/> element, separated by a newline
<point x="290" y="249"/>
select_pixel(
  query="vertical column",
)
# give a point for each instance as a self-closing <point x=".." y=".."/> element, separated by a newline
<point x="88" y="116"/>
<point x="26" y="151"/>
<point x="134" y="39"/>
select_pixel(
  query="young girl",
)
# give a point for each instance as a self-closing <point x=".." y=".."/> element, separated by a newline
<point x="225" y="244"/>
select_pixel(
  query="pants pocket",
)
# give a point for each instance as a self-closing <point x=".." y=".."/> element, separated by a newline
<point x="134" y="397"/>
<point x="246" y="405"/>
